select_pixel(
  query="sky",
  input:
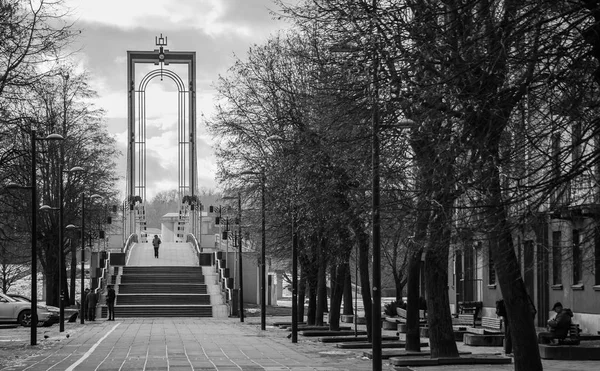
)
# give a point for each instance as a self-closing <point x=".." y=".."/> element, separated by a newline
<point x="217" y="30"/>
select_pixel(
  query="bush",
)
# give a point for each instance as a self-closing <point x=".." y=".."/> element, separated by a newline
<point x="390" y="308"/>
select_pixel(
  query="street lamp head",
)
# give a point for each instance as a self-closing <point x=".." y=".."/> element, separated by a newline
<point x="95" y="196"/>
<point x="16" y="186"/>
<point x="54" y="137"/>
<point x="47" y="208"/>
<point x="406" y="123"/>
<point x="76" y="169"/>
<point x="71" y="227"/>
<point x="275" y="138"/>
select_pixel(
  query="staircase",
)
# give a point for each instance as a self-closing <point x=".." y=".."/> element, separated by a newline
<point x="162" y="291"/>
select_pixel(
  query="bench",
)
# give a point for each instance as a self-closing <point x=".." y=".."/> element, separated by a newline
<point x="572" y="336"/>
<point x="489" y="326"/>
<point x="464" y="320"/>
<point x="402" y="314"/>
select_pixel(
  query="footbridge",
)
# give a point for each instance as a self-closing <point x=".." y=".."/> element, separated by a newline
<point x="184" y="280"/>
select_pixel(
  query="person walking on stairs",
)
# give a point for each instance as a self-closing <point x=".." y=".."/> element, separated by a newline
<point x="110" y="302"/>
<point x="156" y="244"/>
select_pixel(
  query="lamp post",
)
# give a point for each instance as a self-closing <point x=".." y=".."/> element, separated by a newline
<point x="239" y="243"/>
<point x="61" y="257"/>
<point x="263" y="273"/>
<point x="277" y="138"/>
<point x="82" y="197"/>
<point x="34" y="209"/>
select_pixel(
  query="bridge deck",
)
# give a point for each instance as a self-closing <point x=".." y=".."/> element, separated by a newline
<point x="169" y="254"/>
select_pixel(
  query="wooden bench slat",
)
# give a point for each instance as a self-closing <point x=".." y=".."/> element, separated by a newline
<point x="489" y="326"/>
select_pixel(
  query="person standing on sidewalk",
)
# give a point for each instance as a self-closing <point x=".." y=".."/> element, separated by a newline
<point x="83" y="304"/>
<point x="156" y="244"/>
<point x="110" y="302"/>
<point x="92" y="301"/>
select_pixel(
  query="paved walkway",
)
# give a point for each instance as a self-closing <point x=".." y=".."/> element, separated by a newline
<point x="169" y="254"/>
<point x="181" y="344"/>
<point x="203" y="344"/>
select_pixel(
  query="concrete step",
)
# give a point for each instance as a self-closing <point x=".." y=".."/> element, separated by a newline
<point x="173" y="299"/>
<point x="159" y="288"/>
<point x="131" y="279"/>
<point x="128" y="311"/>
<point x="161" y="269"/>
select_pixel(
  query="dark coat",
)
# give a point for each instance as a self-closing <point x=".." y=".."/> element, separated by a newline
<point x="156" y="243"/>
<point x="560" y="324"/>
<point x="91" y="299"/>
<point x="110" y="295"/>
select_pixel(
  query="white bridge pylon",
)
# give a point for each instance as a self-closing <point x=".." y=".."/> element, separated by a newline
<point x="186" y="138"/>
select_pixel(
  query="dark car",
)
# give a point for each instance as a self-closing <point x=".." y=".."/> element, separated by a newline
<point x="54" y="316"/>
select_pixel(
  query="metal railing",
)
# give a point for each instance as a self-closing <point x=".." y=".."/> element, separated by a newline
<point x="133" y="238"/>
<point x="195" y="245"/>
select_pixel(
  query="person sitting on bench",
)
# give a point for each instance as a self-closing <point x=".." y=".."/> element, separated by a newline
<point x="558" y="326"/>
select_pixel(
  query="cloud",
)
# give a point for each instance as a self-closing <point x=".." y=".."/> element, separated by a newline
<point x="211" y="17"/>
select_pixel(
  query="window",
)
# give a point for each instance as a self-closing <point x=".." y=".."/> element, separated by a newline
<point x="491" y="268"/>
<point x="556" y="259"/>
<point x="577" y="258"/>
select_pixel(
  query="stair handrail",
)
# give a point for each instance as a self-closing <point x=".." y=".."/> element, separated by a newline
<point x="133" y="238"/>
<point x="197" y="248"/>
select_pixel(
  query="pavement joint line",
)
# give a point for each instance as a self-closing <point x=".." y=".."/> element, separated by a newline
<point x="91" y="350"/>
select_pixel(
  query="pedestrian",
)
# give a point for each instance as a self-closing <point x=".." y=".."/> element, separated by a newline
<point x="501" y="312"/>
<point x="156" y="244"/>
<point x="110" y="302"/>
<point x="83" y="304"/>
<point x="92" y="301"/>
<point x="558" y="326"/>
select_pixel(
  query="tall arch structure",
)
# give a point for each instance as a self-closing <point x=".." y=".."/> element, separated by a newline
<point x="136" y="129"/>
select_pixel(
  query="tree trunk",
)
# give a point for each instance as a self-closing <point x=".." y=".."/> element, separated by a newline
<point x="348" y="304"/>
<point x="301" y="294"/>
<point x="399" y="286"/>
<point x="51" y="273"/>
<point x="415" y="250"/>
<point x="311" y="282"/>
<point x="321" y="288"/>
<point x="337" y="292"/>
<point x="365" y="284"/>
<point x="73" y="271"/>
<point x="413" y="339"/>
<point x="522" y="328"/>
<point x="441" y="333"/>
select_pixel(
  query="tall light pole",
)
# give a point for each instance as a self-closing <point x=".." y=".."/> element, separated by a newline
<point x="263" y="272"/>
<point x="82" y="235"/>
<point x="240" y="266"/>
<point x="34" y="210"/>
<point x="61" y="256"/>
<point x="277" y="138"/>
<point x="241" y="277"/>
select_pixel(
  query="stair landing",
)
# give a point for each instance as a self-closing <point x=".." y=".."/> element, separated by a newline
<point x="169" y="254"/>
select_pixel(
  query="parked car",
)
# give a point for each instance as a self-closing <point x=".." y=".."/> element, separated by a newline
<point x="14" y="311"/>
<point x="54" y="311"/>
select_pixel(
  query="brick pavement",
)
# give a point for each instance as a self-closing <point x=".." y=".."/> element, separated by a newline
<point x="210" y="344"/>
<point x="184" y="344"/>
